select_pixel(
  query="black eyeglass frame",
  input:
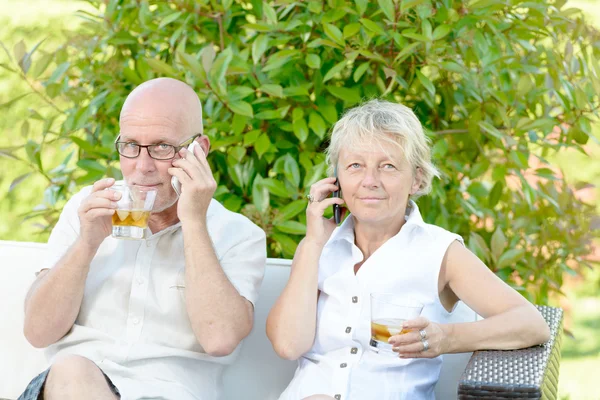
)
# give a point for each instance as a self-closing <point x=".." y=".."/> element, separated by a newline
<point x="183" y="144"/>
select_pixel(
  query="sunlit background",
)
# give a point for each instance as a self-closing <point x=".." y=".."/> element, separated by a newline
<point x="34" y="20"/>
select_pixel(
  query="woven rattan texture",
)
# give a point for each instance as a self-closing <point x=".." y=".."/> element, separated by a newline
<point x="517" y="374"/>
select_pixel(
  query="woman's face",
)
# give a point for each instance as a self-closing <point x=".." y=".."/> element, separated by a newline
<point x="376" y="184"/>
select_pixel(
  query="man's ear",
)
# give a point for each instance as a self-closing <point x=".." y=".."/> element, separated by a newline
<point x="204" y="142"/>
<point x="417" y="180"/>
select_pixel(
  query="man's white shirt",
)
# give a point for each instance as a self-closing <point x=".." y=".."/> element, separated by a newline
<point x="133" y="321"/>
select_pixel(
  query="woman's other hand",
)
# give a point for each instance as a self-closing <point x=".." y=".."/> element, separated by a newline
<point x="319" y="228"/>
<point x="426" y="339"/>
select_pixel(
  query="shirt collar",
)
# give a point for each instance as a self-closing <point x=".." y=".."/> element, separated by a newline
<point x="346" y="230"/>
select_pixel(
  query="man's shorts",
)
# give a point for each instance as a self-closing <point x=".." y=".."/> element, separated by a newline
<point x="35" y="389"/>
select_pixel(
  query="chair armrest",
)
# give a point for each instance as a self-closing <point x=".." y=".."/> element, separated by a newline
<point x="530" y="373"/>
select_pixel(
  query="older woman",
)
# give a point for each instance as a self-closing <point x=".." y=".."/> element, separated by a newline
<point x="322" y="318"/>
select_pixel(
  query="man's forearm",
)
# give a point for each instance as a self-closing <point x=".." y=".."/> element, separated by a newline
<point x="219" y="316"/>
<point x="54" y="299"/>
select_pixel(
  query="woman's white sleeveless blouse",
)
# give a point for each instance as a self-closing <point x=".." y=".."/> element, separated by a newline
<point x="340" y="363"/>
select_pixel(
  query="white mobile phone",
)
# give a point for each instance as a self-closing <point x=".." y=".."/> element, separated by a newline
<point x="174" y="181"/>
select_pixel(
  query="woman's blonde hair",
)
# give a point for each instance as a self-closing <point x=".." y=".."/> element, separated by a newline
<point x="382" y="122"/>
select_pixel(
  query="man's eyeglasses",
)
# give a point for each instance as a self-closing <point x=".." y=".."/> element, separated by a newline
<point x="160" y="151"/>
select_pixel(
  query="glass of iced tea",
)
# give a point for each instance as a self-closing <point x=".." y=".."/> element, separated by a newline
<point x="388" y="312"/>
<point x="133" y="211"/>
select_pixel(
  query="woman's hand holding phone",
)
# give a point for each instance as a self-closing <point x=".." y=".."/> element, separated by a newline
<point x="319" y="228"/>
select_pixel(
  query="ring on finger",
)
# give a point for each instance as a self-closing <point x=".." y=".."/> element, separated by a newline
<point x="425" y="345"/>
<point x="311" y="199"/>
<point x="423" y="334"/>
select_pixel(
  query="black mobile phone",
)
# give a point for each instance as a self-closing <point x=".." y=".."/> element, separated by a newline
<point x="337" y="209"/>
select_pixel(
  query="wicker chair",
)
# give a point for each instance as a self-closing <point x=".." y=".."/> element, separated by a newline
<point x="518" y="374"/>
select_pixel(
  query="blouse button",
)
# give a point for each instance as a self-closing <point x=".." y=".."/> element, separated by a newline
<point x="343" y="365"/>
<point x="348" y="329"/>
<point x="354" y="350"/>
<point x="355" y="299"/>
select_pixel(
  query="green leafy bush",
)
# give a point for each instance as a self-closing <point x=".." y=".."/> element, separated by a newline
<point x="498" y="84"/>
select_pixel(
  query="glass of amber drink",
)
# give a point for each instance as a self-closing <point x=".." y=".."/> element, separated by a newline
<point x="388" y="312"/>
<point x="133" y="211"/>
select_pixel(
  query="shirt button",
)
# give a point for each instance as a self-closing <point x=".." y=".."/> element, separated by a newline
<point x="337" y="396"/>
<point x="140" y="281"/>
<point x="355" y="299"/>
<point x="354" y="350"/>
<point x="348" y="329"/>
<point x="135" y="321"/>
<point x="343" y="365"/>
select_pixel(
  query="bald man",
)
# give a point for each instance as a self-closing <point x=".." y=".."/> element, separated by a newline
<point x="157" y="318"/>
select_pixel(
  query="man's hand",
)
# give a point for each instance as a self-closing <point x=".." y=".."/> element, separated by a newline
<point x="197" y="184"/>
<point x="96" y="211"/>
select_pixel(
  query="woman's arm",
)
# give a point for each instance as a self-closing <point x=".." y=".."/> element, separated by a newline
<point x="291" y="323"/>
<point x="510" y="321"/>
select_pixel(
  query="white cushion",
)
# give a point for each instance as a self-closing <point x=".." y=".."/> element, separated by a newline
<point x="258" y="374"/>
<point x="19" y="361"/>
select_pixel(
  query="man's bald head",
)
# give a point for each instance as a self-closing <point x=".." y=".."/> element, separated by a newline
<point x="163" y="102"/>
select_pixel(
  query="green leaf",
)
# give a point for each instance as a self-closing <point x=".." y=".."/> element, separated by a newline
<point x="242" y="108"/>
<point x="219" y="68"/>
<point x="441" y="31"/>
<point x="25" y="129"/>
<point x="335" y="70"/>
<point x="372" y="26"/>
<point x="478" y="246"/>
<point x="361" y="6"/>
<point x="495" y="194"/>
<point x="269" y="13"/>
<point x="316" y="173"/>
<point x="262" y="145"/>
<point x="279" y="113"/>
<point x="192" y="65"/>
<point x="291" y="227"/>
<point x="313" y="61"/>
<point x="19" y="50"/>
<point x="25" y="62"/>
<point x="452" y="67"/>
<point x="161" y="67"/>
<point x="18" y="180"/>
<point x="334" y="34"/>
<point x="301" y="130"/>
<point x="405" y="52"/>
<point x="350" y="96"/>
<point x="351" y="30"/>
<point x="259" y="46"/>
<point x="426" y="82"/>
<point x="360" y="71"/>
<point x="273" y="90"/>
<point x="58" y="73"/>
<point x="288" y="246"/>
<point x="489" y="128"/>
<point x="387" y="6"/>
<point x="260" y="195"/>
<point x="208" y="55"/>
<point x="317" y="124"/>
<point x="276" y="187"/>
<point x="406" y="5"/>
<point x="290" y="210"/>
<point x="509" y="258"/>
<point x="91" y="166"/>
<point x="291" y="170"/>
<point x="169" y="18"/>
<point x="499" y="243"/>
